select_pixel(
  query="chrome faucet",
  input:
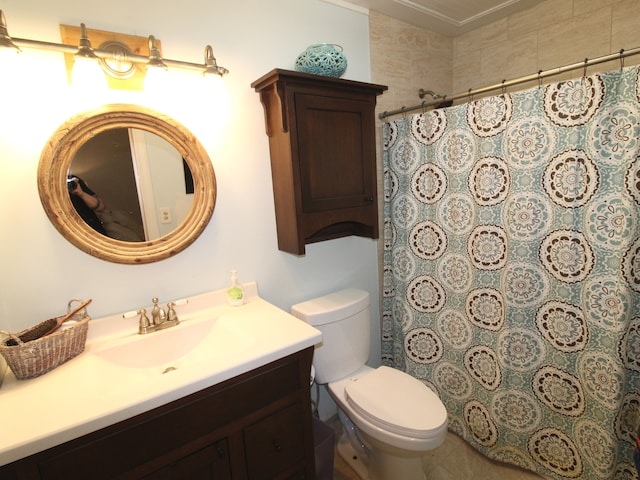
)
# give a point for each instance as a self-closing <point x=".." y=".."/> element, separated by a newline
<point x="159" y="318"/>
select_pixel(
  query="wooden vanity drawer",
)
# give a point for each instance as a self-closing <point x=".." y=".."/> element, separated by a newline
<point x="272" y="445"/>
<point x="210" y="463"/>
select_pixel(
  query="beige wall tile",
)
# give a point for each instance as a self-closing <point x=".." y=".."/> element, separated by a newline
<point x="585" y="6"/>
<point x="546" y="13"/>
<point x="480" y="38"/>
<point x="407" y="58"/>
<point x="430" y="76"/>
<point x="625" y="26"/>
<point x="584" y="36"/>
<point x="465" y="72"/>
<point x="552" y="34"/>
<point x="509" y="60"/>
<point x="441" y="45"/>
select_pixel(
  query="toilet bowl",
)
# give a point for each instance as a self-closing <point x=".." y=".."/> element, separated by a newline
<point x="389" y="419"/>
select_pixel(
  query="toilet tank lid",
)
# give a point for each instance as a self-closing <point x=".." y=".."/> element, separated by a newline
<point x="333" y="307"/>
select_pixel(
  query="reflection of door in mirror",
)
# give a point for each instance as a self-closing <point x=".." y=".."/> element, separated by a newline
<point x="140" y="178"/>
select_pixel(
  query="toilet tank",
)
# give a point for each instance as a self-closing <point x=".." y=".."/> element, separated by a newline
<point x="344" y="319"/>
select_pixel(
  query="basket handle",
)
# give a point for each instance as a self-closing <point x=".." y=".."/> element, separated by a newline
<point x="12" y="336"/>
<point x="82" y="309"/>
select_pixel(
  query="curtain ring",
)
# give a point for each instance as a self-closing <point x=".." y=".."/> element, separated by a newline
<point x="584" y="71"/>
<point x="621" y="59"/>
<point x="403" y="112"/>
<point x="504" y="89"/>
<point x="470" y="95"/>
<point x="539" y="78"/>
<point x="424" y="107"/>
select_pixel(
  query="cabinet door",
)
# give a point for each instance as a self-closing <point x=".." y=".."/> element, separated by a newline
<point x="274" y="446"/>
<point x="335" y="151"/>
<point x="210" y="463"/>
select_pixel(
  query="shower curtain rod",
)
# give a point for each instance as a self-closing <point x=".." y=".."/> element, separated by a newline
<point x="508" y="83"/>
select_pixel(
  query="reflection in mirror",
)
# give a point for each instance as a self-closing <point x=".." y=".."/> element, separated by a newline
<point x="136" y="184"/>
<point x="148" y="180"/>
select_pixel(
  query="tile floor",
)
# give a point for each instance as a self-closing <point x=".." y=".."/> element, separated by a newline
<point x="453" y="460"/>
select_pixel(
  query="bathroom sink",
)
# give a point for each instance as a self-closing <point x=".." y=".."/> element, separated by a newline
<point x="158" y="348"/>
<point x="121" y="374"/>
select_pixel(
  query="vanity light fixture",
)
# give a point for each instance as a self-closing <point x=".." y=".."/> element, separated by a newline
<point x="85" y="50"/>
<point x="5" y="39"/>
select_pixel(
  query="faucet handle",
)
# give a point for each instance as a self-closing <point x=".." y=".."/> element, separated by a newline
<point x="172" y="316"/>
<point x="130" y="314"/>
<point x="145" y="325"/>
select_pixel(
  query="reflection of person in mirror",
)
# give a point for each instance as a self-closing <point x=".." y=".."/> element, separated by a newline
<point x="86" y="202"/>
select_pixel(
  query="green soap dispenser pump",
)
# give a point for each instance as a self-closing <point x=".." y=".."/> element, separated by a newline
<point x="235" y="292"/>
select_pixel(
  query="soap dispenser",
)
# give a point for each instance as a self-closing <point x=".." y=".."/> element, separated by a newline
<point x="235" y="292"/>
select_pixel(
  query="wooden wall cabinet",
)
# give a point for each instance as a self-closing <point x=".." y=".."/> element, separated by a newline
<point x="256" y="426"/>
<point x="323" y="156"/>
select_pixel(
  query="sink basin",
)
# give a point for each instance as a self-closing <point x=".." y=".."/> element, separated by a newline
<point x="159" y="348"/>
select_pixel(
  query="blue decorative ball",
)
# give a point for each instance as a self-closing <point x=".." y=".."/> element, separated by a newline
<point x="322" y="59"/>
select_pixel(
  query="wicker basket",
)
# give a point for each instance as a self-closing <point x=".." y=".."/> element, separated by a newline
<point x="32" y="358"/>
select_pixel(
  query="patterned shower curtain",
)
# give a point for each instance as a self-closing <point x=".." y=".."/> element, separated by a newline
<point x="512" y="270"/>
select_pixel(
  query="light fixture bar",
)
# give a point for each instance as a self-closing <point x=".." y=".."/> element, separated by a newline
<point x="13" y="42"/>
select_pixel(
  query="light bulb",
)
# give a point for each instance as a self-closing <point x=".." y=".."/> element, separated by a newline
<point x="87" y="75"/>
<point x="156" y="79"/>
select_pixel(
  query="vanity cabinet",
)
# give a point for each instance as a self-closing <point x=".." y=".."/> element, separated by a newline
<point x="256" y="426"/>
<point x="323" y="156"/>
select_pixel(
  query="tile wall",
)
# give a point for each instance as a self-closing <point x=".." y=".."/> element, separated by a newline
<point x="407" y="58"/>
<point x="552" y="34"/>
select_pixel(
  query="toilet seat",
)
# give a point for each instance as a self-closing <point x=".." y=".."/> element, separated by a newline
<point x="397" y="402"/>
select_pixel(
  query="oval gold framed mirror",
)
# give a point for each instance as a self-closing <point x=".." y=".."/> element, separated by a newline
<point x="61" y="152"/>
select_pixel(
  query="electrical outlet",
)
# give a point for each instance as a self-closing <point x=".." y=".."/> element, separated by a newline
<point x="165" y="215"/>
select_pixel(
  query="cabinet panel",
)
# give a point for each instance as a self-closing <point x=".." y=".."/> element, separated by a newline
<point x="335" y="170"/>
<point x="271" y="445"/>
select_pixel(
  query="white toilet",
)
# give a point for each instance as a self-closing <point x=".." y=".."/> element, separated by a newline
<point x="389" y="419"/>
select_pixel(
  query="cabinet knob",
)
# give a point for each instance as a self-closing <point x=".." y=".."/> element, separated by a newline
<point x="278" y="447"/>
<point x="221" y="452"/>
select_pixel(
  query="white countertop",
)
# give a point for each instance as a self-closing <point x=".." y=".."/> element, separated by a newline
<point x="91" y="392"/>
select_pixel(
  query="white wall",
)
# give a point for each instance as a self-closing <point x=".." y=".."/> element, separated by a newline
<point x="41" y="270"/>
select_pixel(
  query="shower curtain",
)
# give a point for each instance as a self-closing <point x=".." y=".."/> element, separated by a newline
<point x="512" y="270"/>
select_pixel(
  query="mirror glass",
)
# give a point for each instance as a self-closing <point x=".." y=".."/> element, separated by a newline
<point x="126" y="184"/>
<point x="144" y="185"/>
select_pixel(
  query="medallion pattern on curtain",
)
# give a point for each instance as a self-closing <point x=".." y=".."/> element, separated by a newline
<point x="512" y="270"/>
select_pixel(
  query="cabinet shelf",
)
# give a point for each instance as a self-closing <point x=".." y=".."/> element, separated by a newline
<point x="323" y="158"/>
